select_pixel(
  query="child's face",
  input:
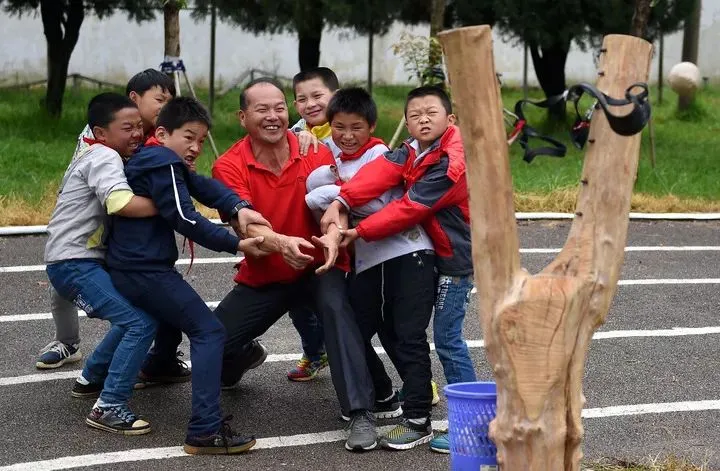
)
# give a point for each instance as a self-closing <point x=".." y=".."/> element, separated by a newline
<point x="150" y="103"/>
<point x="311" y="100"/>
<point x="427" y="119"/>
<point x="187" y="141"/>
<point x="350" y="131"/>
<point x="124" y="134"/>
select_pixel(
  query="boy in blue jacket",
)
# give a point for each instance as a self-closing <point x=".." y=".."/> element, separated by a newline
<point x="142" y="254"/>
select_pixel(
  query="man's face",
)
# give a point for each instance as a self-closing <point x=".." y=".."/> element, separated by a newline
<point x="187" y="141"/>
<point x="266" y="117"/>
<point x="150" y="103"/>
<point x="311" y="100"/>
<point x="427" y="119"/>
<point x="124" y="133"/>
<point x="350" y="132"/>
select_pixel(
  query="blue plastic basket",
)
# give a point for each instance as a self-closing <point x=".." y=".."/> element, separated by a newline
<point x="471" y="407"/>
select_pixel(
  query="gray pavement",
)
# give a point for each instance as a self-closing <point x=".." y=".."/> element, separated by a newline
<point x="40" y="421"/>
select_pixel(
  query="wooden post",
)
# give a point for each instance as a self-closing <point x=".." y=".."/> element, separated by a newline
<point x="537" y="329"/>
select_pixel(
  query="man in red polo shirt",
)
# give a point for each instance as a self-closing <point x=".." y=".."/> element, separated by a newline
<point x="266" y="169"/>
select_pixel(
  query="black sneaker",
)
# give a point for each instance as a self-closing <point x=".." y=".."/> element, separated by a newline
<point x="407" y="435"/>
<point x="388" y="409"/>
<point x="224" y="442"/>
<point x="117" y="419"/>
<point x="86" y="390"/>
<point x="160" y="372"/>
<point x="252" y="360"/>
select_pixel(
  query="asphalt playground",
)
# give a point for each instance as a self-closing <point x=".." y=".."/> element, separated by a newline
<point x="652" y="378"/>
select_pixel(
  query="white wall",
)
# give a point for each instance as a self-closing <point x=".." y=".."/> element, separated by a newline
<point x="113" y="49"/>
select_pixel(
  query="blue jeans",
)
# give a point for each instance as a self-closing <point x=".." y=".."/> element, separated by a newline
<point x="453" y="295"/>
<point x="170" y="299"/>
<point x="117" y="359"/>
<point x="310" y="328"/>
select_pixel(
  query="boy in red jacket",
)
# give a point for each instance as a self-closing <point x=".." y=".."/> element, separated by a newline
<point x="431" y="166"/>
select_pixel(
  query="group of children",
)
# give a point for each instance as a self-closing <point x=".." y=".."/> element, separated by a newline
<point x="111" y="251"/>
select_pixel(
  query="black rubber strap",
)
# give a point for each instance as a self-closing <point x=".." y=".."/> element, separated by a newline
<point x="627" y="125"/>
<point x="556" y="148"/>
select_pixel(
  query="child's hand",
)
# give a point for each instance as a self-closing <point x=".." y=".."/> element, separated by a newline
<point x="349" y="236"/>
<point x="251" y="247"/>
<point x="307" y="139"/>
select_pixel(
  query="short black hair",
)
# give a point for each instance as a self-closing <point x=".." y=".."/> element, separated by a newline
<point x="243" y="94"/>
<point x="353" y="100"/>
<point x="430" y="90"/>
<point x="182" y="110"/>
<point x="325" y="74"/>
<point x="149" y="78"/>
<point x="102" y="108"/>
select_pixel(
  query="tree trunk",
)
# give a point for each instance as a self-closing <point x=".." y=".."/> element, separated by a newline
<point x="640" y="18"/>
<point x="61" y="25"/>
<point x="549" y="63"/>
<point x="691" y="38"/>
<point x="537" y="329"/>
<point x="309" y="25"/>
<point x="437" y="16"/>
<point x="171" y="16"/>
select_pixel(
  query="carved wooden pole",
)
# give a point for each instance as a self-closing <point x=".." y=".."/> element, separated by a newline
<point x="537" y="328"/>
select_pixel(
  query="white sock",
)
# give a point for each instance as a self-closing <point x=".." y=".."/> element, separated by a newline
<point x="418" y="421"/>
<point x="81" y="379"/>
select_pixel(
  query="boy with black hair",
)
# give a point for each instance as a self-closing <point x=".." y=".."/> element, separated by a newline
<point x="312" y="89"/>
<point x="392" y="285"/>
<point x="94" y="186"/>
<point x="149" y="90"/>
<point x="142" y="255"/>
<point x="431" y="167"/>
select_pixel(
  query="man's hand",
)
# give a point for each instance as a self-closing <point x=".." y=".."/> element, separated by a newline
<point x="293" y="255"/>
<point x="244" y="218"/>
<point x="330" y="244"/>
<point x="251" y="247"/>
<point x="307" y="139"/>
<point x="349" y="236"/>
<point x="333" y="215"/>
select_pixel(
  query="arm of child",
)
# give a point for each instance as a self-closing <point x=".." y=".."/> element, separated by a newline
<point x="434" y="191"/>
<point x="105" y="174"/>
<point x="212" y="194"/>
<point x="170" y="194"/>
<point x="125" y="203"/>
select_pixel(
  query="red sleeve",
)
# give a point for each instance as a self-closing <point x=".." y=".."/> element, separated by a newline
<point x="435" y="190"/>
<point x="375" y="178"/>
<point x="234" y="176"/>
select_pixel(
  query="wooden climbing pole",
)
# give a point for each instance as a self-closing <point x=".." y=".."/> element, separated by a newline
<point x="537" y="328"/>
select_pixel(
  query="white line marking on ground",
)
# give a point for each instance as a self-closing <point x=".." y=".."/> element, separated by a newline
<point x="332" y="436"/>
<point x="283" y="357"/>
<point x="532" y="251"/>
<point x="659" y="281"/>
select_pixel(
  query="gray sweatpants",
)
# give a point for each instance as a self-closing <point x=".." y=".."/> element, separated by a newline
<point x="65" y="315"/>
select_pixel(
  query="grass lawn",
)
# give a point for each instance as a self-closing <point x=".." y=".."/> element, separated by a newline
<point x="35" y="150"/>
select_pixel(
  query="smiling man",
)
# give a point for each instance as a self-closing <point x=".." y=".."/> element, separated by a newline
<point x="266" y="169"/>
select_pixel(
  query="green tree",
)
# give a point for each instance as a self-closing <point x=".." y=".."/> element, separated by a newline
<point x="62" y="20"/>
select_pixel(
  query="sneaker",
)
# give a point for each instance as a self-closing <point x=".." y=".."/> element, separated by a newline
<point x="159" y="372"/>
<point x="224" y="442"/>
<point x="56" y="354"/>
<point x="117" y="419"/>
<point x="441" y="443"/>
<point x="407" y="435"/>
<point x="363" y="436"/>
<point x="256" y="358"/>
<point x="306" y="370"/>
<point x="389" y="409"/>
<point x="86" y="390"/>
<point x="435" y="395"/>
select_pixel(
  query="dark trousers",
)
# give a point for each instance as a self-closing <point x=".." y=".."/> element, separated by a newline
<point x="395" y="300"/>
<point x="248" y="312"/>
<point x="170" y="299"/>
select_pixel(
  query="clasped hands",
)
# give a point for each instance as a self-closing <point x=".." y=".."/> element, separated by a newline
<point x="290" y="247"/>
